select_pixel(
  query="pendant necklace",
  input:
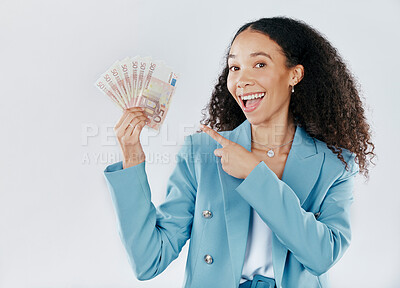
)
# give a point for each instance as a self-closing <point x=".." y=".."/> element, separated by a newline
<point x="270" y="152"/>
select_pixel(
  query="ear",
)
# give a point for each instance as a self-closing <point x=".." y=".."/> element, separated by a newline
<point x="296" y="74"/>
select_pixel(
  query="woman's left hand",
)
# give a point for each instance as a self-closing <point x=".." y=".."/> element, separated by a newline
<point x="235" y="159"/>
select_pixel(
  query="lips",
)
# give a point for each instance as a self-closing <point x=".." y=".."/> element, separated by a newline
<point x="254" y="105"/>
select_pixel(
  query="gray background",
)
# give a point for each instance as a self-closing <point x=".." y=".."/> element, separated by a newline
<point x="57" y="222"/>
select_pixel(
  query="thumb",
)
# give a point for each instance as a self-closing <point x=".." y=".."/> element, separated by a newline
<point x="218" y="152"/>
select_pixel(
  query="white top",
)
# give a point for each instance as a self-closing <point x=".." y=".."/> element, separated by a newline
<point x="258" y="257"/>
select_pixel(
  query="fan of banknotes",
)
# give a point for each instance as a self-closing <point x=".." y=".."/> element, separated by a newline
<point x="142" y="82"/>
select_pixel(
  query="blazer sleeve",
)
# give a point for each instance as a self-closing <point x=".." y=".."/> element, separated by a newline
<point x="317" y="244"/>
<point x="152" y="237"/>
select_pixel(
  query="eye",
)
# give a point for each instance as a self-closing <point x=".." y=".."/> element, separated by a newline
<point x="260" y="65"/>
<point x="233" y="68"/>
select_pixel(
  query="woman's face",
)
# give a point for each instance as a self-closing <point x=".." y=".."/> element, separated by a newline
<point x="257" y="68"/>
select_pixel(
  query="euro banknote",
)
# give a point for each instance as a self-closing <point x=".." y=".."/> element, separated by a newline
<point x="140" y="82"/>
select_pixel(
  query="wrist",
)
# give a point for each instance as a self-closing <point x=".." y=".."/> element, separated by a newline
<point x="252" y="165"/>
<point x="133" y="160"/>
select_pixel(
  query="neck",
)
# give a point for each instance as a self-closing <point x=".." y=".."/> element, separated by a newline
<point x="274" y="134"/>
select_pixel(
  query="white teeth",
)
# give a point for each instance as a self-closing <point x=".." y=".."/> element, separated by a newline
<point x="253" y="96"/>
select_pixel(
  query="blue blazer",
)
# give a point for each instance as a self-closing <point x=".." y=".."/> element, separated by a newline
<point x="307" y="211"/>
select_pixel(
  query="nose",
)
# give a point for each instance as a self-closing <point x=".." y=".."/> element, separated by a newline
<point x="244" y="81"/>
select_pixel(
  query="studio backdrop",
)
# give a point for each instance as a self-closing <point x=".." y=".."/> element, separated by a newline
<point x="58" y="227"/>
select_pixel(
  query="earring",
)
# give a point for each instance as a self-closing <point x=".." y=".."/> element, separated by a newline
<point x="292" y="88"/>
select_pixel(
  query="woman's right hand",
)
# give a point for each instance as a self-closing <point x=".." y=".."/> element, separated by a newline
<point x="128" y="131"/>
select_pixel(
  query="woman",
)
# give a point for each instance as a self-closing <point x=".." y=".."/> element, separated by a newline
<point x="266" y="200"/>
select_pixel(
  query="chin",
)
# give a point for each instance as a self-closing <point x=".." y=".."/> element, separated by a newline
<point x="253" y="120"/>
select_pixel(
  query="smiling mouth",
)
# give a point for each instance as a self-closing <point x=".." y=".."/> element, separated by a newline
<point x="251" y="99"/>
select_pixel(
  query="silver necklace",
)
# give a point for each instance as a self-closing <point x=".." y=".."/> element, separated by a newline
<point x="270" y="152"/>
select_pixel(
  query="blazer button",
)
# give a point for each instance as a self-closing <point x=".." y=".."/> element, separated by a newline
<point x="207" y="214"/>
<point x="208" y="259"/>
<point x="316" y="215"/>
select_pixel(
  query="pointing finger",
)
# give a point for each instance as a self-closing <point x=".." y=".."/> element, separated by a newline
<point x="213" y="134"/>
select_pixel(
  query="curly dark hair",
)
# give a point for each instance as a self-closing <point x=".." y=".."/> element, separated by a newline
<point x="326" y="102"/>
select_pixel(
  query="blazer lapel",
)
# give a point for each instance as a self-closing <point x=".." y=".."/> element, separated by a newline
<point x="301" y="171"/>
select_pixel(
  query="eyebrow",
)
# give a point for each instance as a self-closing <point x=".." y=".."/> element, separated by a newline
<point x="232" y="56"/>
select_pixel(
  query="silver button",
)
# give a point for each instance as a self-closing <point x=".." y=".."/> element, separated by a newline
<point x="208" y="259"/>
<point x="207" y="214"/>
